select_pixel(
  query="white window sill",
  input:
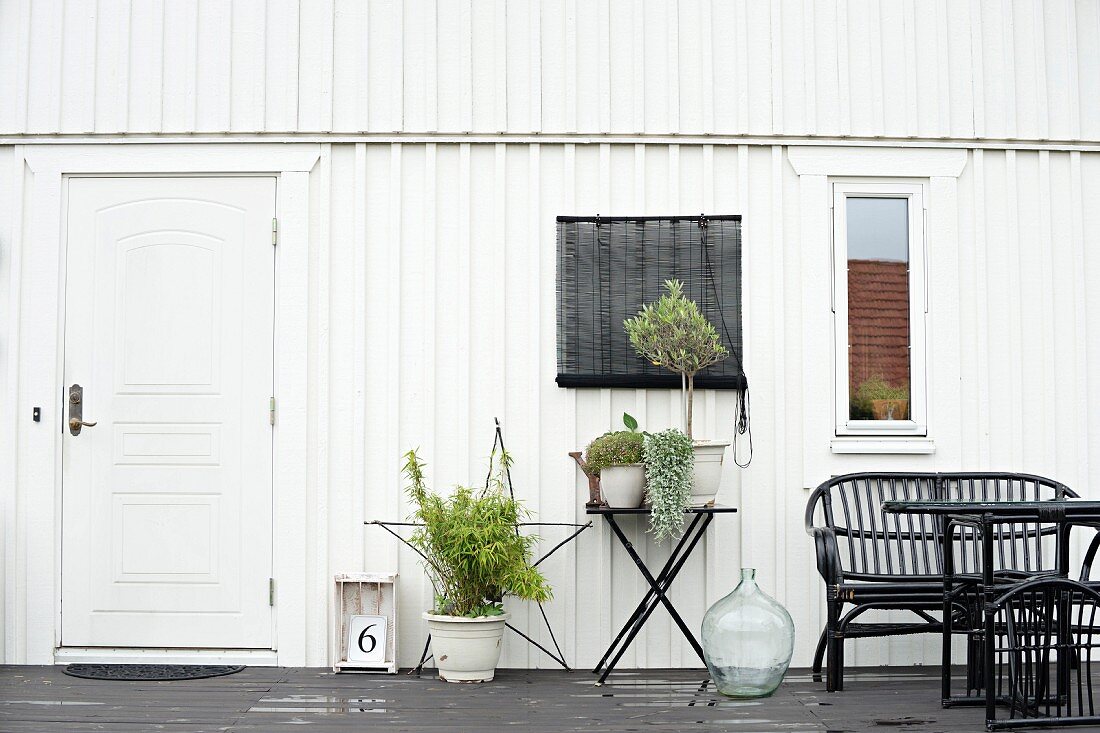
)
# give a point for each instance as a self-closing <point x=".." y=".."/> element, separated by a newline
<point x="897" y="446"/>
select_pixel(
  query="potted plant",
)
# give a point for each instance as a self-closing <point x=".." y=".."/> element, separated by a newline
<point x="879" y="400"/>
<point x="616" y="457"/>
<point x="673" y="333"/>
<point x="669" y="468"/>
<point x="474" y="554"/>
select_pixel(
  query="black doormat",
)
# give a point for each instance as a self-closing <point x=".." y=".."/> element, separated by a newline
<point x="158" y="672"/>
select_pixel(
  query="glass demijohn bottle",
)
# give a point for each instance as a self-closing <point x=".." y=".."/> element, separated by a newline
<point x="748" y="640"/>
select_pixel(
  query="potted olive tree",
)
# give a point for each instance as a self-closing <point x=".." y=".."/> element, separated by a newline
<point x="673" y="333"/>
<point x="616" y="457"/>
<point x="474" y="554"/>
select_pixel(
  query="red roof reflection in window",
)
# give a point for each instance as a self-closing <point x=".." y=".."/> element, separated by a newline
<point x="878" y="321"/>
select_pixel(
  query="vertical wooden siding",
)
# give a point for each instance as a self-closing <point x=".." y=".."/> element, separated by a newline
<point x="10" y="182"/>
<point x="996" y="69"/>
<point x="432" y="274"/>
<point x="426" y="329"/>
<point x="448" y="290"/>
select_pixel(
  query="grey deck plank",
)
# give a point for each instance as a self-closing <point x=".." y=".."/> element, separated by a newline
<point x="267" y="700"/>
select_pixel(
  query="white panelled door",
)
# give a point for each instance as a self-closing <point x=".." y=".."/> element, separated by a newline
<point x="169" y="329"/>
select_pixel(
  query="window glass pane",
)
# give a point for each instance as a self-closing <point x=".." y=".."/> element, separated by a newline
<point x="878" y="308"/>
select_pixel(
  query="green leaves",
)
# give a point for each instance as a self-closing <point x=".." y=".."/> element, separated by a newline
<point x="414" y="471"/>
<point x="669" y="469"/>
<point x="674" y="333"/>
<point x="613" y="449"/>
<point x="473" y="551"/>
<point x="630" y="423"/>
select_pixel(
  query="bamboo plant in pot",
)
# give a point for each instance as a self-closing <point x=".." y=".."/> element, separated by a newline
<point x="673" y="333"/>
<point x="474" y="554"/>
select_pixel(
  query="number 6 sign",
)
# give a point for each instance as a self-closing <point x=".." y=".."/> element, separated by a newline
<point x="367" y="639"/>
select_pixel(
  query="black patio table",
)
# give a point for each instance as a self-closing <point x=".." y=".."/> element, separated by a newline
<point x="983" y="516"/>
<point x="658" y="587"/>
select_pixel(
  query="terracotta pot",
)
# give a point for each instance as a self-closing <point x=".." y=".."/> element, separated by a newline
<point x="890" y="409"/>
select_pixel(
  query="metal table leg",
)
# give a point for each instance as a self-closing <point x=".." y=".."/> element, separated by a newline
<point x="657" y="593"/>
<point x="649" y="602"/>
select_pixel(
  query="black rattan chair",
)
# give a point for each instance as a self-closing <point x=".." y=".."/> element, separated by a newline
<point x="871" y="560"/>
<point x="1047" y="640"/>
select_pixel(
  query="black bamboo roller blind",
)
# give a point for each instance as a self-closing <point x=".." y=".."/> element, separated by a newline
<point x="608" y="267"/>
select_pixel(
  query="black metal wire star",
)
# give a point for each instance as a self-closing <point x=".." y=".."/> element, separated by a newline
<point x="557" y="655"/>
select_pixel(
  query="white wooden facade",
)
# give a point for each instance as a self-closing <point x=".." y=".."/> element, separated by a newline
<point x="422" y="151"/>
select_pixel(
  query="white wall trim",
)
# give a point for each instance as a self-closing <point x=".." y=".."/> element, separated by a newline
<point x="561" y="138"/>
<point x="173" y="158"/>
<point x="883" y="446"/>
<point x="877" y="162"/>
<point x="37" y="337"/>
<point x="816" y="168"/>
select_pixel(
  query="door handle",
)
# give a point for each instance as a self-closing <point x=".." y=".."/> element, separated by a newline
<point x="76" y="410"/>
<point x="75" y="425"/>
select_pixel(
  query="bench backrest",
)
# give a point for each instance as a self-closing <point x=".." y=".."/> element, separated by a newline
<point x="874" y="545"/>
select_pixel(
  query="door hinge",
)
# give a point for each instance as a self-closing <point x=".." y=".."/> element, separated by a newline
<point x="271" y="411"/>
<point x="271" y="591"/>
<point x="274" y="232"/>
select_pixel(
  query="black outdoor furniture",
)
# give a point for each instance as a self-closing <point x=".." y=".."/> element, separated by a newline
<point x="1046" y="644"/>
<point x="1026" y="650"/>
<point x="872" y="560"/>
<point x="701" y="517"/>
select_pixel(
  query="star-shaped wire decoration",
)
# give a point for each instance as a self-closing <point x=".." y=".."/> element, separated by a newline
<point x="556" y="655"/>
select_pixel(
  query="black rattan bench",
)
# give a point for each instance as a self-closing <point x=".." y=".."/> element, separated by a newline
<point x="871" y="560"/>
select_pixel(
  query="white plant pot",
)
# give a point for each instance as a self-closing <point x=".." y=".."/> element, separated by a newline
<point x="708" y="470"/>
<point x="466" y="649"/>
<point x="623" y="487"/>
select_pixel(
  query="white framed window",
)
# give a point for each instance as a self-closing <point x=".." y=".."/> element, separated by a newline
<point x="879" y="304"/>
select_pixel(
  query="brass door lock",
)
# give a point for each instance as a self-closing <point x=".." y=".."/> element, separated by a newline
<point x="76" y="410"/>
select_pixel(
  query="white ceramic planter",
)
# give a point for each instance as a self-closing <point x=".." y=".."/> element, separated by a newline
<point x="623" y="487"/>
<point x="708" y="470"/>
<point x="466" y="649"/>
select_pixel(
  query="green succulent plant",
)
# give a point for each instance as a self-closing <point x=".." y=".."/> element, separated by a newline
<point x="619" y="448"/>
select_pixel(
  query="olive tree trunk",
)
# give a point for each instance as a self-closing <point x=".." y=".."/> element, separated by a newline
<point x="690" y="401"/>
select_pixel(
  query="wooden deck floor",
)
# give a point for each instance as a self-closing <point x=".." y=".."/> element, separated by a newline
<point x="275" y="700"/>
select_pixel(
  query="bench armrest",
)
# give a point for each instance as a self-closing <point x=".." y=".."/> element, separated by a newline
<point x="828" y="555"/>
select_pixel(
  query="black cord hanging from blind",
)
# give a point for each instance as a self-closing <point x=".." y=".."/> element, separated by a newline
<point x="609" y="266"/>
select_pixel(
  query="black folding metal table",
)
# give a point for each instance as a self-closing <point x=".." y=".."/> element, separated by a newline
<point x="701" y="517"/>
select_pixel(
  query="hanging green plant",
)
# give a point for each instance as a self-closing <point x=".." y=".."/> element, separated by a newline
<point x="669" y="463"/>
